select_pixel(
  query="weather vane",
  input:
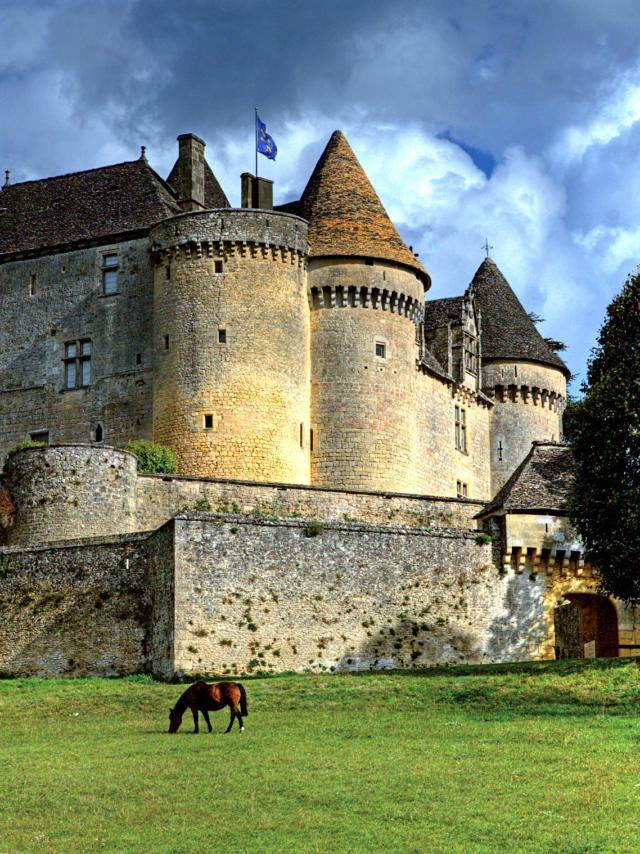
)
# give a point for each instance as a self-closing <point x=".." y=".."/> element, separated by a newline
<point x="487" y="246"/>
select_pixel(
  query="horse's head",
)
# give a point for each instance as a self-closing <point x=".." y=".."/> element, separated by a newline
<point x="175" y="719"/>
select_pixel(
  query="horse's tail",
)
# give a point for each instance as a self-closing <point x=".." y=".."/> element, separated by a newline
<point x="243" y="700"/>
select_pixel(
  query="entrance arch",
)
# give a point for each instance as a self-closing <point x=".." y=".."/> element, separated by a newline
<point x="596" y="620"/>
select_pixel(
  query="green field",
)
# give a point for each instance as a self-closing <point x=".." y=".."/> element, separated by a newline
<point x="526" y="758"/>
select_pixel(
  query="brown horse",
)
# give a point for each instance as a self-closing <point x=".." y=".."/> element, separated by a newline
<point x="204" y="698"/>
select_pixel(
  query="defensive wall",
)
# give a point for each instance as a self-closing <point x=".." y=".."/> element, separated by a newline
<point x="227" y="594"/>
<point x="70" y="491"/>
<point x="266" y="577"/>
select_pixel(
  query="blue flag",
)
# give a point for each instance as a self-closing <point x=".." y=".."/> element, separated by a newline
<point x="266" y="145"/>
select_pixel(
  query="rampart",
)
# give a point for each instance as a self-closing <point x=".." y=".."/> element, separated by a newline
<point x="228" y="594"/>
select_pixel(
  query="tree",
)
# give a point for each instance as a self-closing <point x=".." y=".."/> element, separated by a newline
<point x="604" y="431"/>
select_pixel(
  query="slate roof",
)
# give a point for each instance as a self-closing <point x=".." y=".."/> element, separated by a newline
<point x="83" y="205"/>
<point x="430" y="362"/>
<point x="440" y="312"/>
<point x="345" y="215"/>
<point x="214" y="195"/>
<point x="507" y="330"/>
<point x="541" y="482"/>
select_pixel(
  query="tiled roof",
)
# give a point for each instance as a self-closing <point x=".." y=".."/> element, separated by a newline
<point x="214" y="195"/>
<point x="542" y="481"/>
<point x="83" y="205"/>
<point x="430" y="362"/>
<point x="345" y="215"/>
<point x="507" y="330"/>
<point x="440" y="312"/>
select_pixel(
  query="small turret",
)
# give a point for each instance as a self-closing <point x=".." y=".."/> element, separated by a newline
<point x="520" y="372"/>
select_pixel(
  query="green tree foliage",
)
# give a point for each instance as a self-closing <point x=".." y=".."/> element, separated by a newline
<point x="604" y="431"/>
<point x="29" y="443"/>
<point x="153" y="458"/>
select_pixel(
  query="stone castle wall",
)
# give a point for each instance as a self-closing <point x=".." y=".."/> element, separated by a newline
<point x="53" y="299"/>
<point x="231" y="326"/>
<point x="74" y="609"/>
<point x="227" y="594"/>
<point x="71" y="491"/>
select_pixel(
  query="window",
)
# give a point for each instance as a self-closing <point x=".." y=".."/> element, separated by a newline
<point x="33" y="285"/>
<point x="461" y="489"/>
<point x="208" y="422"/>
<point x="461" y="429"/>
<point x="110" y="274"/>
<point x="166" y="342"/>
<point x="77" y="364"/>
<point x="381" y="350"/>
<point x="301" y="435"/>
<point x="40" y="436"/>
<point x="222" y="336"/>
<point x="311" y="440"/>
<point x="217" y="266"/>
<point x="99" y="433"/>
<point x="138" y="358"/>
<point x="470" y="353"/>
<point x="167" y="272"/>
<point x="500" y="450"/>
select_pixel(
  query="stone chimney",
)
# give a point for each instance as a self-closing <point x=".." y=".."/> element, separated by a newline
<point x="256" y="192"/>
<point x="191" y="172"/>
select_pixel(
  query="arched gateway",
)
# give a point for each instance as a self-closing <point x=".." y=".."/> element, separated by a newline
<point x="586" y="619"/>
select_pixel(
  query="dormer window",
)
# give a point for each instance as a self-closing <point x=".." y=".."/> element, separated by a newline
<point x="470" y="353"/>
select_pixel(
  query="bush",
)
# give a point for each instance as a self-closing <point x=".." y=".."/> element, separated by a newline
<point x="28" y="444"/>
<point x="157" y="459"/>
<point x="314" y="528"/>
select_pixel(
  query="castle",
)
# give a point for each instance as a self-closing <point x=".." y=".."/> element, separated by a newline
<point x="288" y="356"/>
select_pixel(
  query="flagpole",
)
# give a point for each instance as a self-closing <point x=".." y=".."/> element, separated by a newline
<point x="255" y="126"/>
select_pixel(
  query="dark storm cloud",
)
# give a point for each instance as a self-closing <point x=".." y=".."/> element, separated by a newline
<point x="481" y="71"/>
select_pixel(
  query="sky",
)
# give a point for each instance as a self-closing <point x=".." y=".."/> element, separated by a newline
<point x="512" y="121"/>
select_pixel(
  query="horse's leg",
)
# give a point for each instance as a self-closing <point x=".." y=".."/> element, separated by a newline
<point x="205" y="715"/>
<point x="195" y="718"/>
<point x="233" y="714"/>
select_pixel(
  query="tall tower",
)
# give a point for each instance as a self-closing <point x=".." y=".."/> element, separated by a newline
<point x="366" y="293"/>
<point x="231" y="336"/>
<point x="525" y="378"/>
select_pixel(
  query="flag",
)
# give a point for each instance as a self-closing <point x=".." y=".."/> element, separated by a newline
<point x="265" y="143"/>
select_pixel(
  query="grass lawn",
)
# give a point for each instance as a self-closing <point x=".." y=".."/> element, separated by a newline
<point x="542" y="757"/>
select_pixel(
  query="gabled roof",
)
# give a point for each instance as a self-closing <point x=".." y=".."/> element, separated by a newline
<point x="214" y="195"/>
<point x="542" y="482"/>
<point x="346" y="217"/>
<point x="507" y="330"/>
<point x="86" y="205"/>
<point x="440" y="312"/>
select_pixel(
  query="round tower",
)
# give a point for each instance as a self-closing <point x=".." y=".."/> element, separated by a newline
<point x="231" y="340"/>
<point x="525" y="378"/>
<point x="366" y="292"/>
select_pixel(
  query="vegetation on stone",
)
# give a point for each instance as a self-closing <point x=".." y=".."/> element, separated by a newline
<point x="152" y="457"/>
<point x="20" y="446"/>
<point x="604" y="430"/>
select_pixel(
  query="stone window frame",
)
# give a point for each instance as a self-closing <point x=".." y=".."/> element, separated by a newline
<point x="462" y="489"/>
<point x="460" y="424"/>
<point x="110" y="287"/>
<point x="77" y="354"/>
<point x="379" y="341"/>
<point x="470" y="352"/>
<point x="43" y="436"/>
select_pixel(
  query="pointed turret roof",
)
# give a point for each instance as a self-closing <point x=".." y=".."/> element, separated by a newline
<point x="345" y="215"/>
<point x="507" y="330"/>
<point x="541" y="483"/>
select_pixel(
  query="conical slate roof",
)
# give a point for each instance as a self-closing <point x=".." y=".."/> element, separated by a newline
<point x="507" y="330"/>
<point x="345" y="215"/>
<point x="542" y="482"/>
